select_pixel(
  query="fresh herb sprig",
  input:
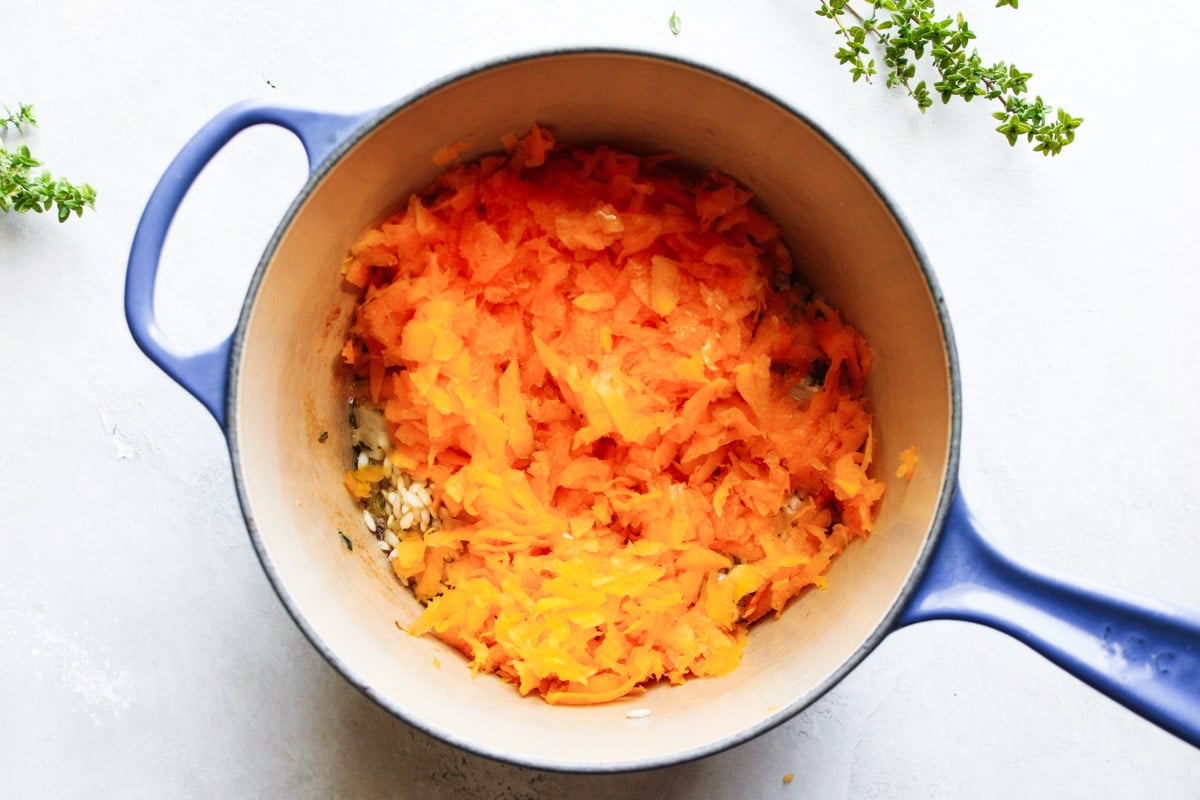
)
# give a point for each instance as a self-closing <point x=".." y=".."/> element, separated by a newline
<point x="20" y="190"/>
<point x="17" y="119"/>
<point x="909" y="31"/>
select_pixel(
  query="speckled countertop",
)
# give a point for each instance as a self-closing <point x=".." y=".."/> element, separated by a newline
<point x="142" y="651"/>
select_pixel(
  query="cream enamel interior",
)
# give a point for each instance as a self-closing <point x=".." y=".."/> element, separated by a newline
<point x="287" y="390"/>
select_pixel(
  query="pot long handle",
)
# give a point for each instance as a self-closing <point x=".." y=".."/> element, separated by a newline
<point x="1142" y="653"/>
<point x="205" y="373"/>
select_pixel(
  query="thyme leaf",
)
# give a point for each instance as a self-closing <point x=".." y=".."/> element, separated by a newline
<point x="675" y="23"/>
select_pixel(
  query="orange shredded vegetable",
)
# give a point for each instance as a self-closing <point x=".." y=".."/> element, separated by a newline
<point x="644" y="436"/>
<point x="450" y="152"/>
<point x="908" y="463"/>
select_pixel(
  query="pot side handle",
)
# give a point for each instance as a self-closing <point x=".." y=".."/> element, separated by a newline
<point x="1143" y="653"/>
<point x="205" y="374"/>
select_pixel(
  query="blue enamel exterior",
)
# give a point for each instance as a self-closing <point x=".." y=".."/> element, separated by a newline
<point x="206" y="373"/>
<point x="1141" y="652"/>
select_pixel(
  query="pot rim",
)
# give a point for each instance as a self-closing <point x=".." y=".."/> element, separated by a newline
<point x="373" y="120"/>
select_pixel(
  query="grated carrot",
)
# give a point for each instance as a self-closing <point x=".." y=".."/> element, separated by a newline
<point x="450" y="152"/>
<point x="644" y="436"/>
<point x="908" y="463"/>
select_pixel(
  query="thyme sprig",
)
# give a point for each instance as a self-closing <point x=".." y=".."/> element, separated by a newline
<point x="908" y="31"/>
<point x="20" y="190"/>
<point x="18" y="119"/>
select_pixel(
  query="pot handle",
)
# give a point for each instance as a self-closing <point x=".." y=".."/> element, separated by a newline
<point x="1143" y="653"/>
<point x="205" y="373"/>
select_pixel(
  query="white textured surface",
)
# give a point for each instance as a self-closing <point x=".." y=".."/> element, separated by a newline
<point x="142" y="652"/>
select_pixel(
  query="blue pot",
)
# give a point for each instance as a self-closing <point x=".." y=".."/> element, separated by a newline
<point x="274" y="385"/>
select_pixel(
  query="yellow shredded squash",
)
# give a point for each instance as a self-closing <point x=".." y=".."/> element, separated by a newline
<point x="642" y="435"/>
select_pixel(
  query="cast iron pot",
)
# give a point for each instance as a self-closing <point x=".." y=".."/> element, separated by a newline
<point x="273" y="385"/>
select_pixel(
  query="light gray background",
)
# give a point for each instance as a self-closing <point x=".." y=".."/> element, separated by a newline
<point x="142" y="652"/>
